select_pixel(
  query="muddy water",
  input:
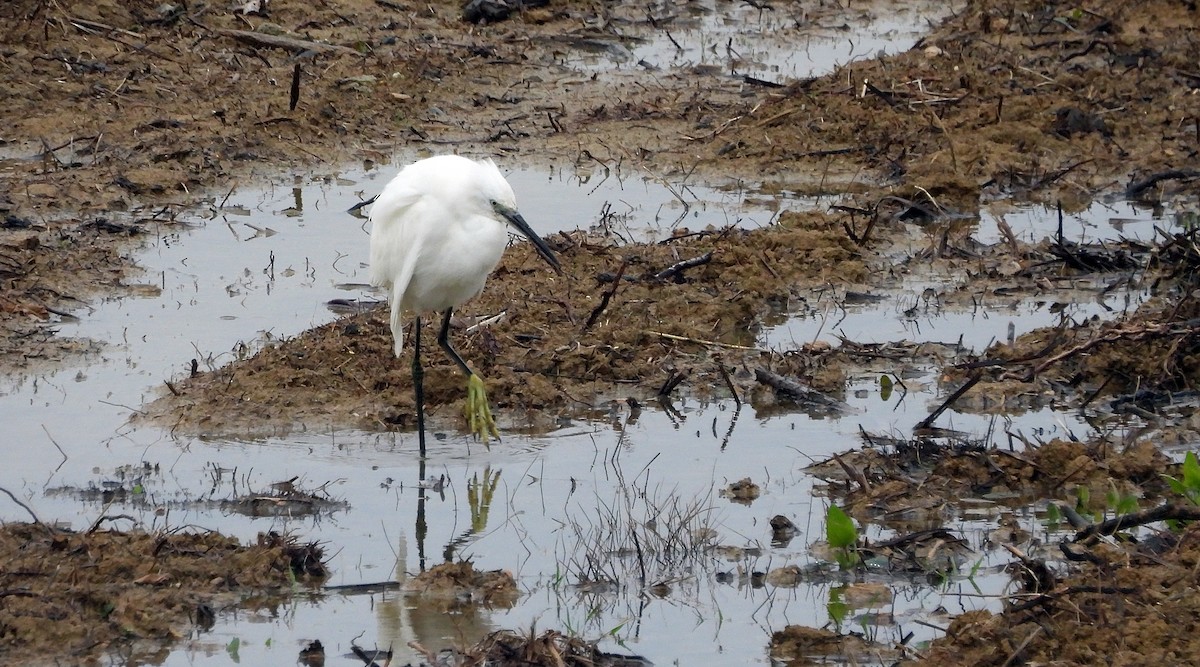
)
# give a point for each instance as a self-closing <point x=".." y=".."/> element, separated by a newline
<point x="1101" y="221"/>
<point x="265" y="262"/>
<point x="771" y="43"/>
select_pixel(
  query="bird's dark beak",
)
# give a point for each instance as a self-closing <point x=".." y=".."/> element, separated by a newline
<point x="517" y="221"/>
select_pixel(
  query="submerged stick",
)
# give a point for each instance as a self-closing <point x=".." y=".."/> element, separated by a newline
<point x="928" y="421"/>
<point x="798" y="391"/>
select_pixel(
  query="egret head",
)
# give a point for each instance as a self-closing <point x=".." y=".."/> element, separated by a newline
<point x="503" y="203"/>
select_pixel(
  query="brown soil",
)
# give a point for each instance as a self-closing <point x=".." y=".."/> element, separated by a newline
<point x="559" y="351"/>
<point x="798" y="645"/>
<point x="920" y="482"/>
<point x="81" y="595"/>
<point x="1132" y="605"/>
<point x="455" y="585"/>
<point x="118" y="114"/>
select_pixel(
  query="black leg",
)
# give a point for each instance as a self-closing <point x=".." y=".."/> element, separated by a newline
<point x="418" y="376"/>
<point x="444" y="342"/>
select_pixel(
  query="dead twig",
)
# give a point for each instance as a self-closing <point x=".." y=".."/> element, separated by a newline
<point x="1136" y="188"/>
<point x="701" y="341"/>
<point x="1134" y="334"/>
<point x="799" y="392"/>
<point x="369" y="658"/>
<point x="854" y="474"/>
<point x="885" y="96"/>
<point x="294" y="94"/>
<point x="728" y="381"/>
<point x="1043" y="351"/>
<point x="608" y="295"/>
<point x="105" y="517"/>
<point x="281" y="41"/>
<point x="1013" y="657"/>
<point x="673" y="380"/>
<point x="1047" y="598"/>
<point x="676" y="270"/>
<point x="949" y="141"/>
<point x="1167" y="512"/>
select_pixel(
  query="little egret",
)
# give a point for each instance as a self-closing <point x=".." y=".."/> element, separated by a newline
<point x="437" y="230"/>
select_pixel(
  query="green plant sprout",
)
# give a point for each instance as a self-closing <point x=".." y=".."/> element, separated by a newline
<point x="1054" y="517"/>
<point x="1188" y="484"/>
<point x="842" y="536"/>
<point x="1122" y="503"/>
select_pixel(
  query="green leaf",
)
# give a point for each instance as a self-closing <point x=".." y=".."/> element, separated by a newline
<point x="839" y="528"/>
<point x="1127" y="505"/>
<point x="1082" y="495"/>
<point x="1188" y="484"/>
<point x="232" y="649"/>
<point x="846" y="559"/>
<point x="885" y="387"/>
<point x="1191" y="472"/>
<point x="975" y="569"/>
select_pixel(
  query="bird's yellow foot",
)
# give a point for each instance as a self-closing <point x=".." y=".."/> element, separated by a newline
<point x="477" y="411"/>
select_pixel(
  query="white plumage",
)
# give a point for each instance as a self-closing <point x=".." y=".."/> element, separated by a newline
<point x="435" y="236"/>
<point x="437" y="230"/>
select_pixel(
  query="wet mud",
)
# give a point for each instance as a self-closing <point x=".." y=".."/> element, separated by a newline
<point x="81" y="596"/>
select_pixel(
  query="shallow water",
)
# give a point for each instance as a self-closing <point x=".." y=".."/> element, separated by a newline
<point x="776" y="43"/>
<point x="267" y="261"/>
<point x="1100" y="222"/>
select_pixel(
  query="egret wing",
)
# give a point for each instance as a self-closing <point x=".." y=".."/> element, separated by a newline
<point x="394" y="249"/>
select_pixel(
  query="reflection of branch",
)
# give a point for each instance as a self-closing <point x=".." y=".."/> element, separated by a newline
<point x="25" y="507"/>
<point x="928" y="421"/>
<point x="799" y="392"/>
<point x="737" y="411"/>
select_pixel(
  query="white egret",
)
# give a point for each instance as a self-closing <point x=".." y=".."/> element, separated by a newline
<point x="437" y="230"/>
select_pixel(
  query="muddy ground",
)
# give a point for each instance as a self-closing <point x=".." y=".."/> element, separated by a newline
<point x="120" y="114"/>
<point x="70" y="597"/>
